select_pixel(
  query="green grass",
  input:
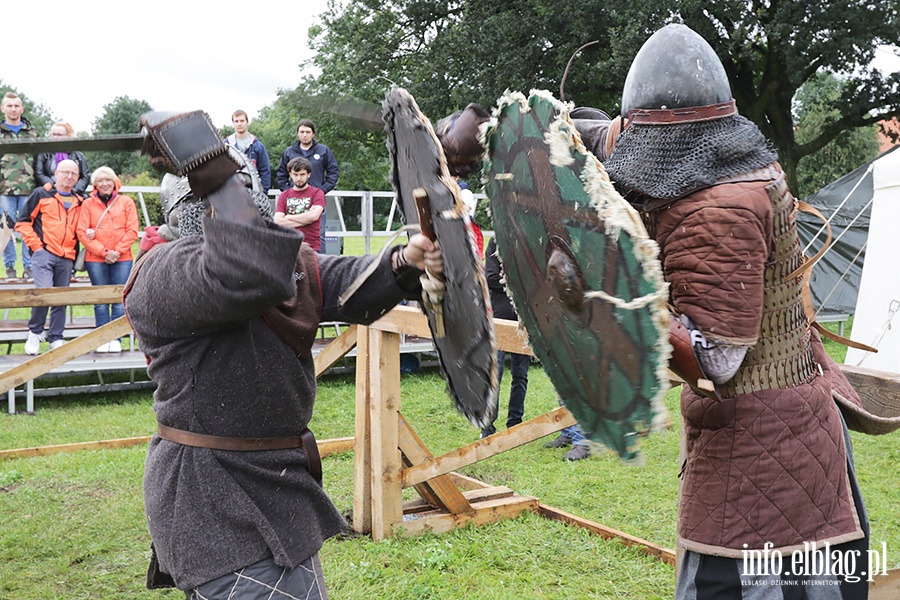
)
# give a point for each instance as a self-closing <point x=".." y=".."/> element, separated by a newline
<point x="73" y="524"/>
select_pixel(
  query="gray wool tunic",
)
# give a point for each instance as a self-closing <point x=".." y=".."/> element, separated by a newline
<point x="222" y="370"/>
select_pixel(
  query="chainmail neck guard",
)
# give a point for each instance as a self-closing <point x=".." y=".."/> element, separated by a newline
<point x="658" y="162"/>
<point x="189" y="214"/>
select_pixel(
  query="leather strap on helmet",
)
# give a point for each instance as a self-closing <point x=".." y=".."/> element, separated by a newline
<point x="691" y="114"/>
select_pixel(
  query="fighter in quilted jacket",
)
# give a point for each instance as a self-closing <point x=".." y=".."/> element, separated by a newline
<point x="769" y="470"/>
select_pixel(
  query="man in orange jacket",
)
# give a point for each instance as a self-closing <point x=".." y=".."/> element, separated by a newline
<point x="47" y="224"/>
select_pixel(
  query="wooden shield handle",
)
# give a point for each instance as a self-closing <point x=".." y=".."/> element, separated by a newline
<point x="423" y="207"/>
<point x="426" y="224"/>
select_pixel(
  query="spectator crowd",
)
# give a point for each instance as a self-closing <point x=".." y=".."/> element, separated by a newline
<point x="67" y="218"/>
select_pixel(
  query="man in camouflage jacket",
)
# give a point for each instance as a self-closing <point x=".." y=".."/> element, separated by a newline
<point x="16" y="177"/>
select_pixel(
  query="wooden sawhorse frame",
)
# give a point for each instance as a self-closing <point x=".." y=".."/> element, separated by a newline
<point x="390" y="456"/>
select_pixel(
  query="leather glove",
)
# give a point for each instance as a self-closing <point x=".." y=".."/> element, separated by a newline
<point x="460" y="136"/>
<point x="187" y="143"/>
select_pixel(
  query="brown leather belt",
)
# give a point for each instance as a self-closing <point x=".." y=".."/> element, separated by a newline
<point x="305" y="440"/>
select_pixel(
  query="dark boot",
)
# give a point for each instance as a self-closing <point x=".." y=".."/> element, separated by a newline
<point x="578" y="452"/>
<point x="562" y="441"/>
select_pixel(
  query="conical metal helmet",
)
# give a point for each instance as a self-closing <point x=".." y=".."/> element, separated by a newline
<point x="675" y="68"/>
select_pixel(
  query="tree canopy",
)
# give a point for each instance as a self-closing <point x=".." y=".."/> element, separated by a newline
<point x="815" y="108"/>
<point x="451" y="52"/>
<point x="120" y="116"/>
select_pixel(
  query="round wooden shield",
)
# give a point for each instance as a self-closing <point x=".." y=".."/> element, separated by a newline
<point x="584" y="276"/>
<point x="465" y="343"/>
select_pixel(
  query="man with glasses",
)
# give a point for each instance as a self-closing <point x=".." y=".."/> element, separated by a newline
<point x="16" y="176"/>
<point x="47" y="224"/>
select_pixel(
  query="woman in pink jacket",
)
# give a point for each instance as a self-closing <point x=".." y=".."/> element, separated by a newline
<point x="107" y="227"/>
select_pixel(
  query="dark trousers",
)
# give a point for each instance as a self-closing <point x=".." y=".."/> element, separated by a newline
<point x="518" y="366"/>
<point x="266" y="580"/>
<point x="49" y="270"/>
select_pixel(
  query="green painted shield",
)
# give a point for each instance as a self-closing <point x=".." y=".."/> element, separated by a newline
<point x="583" y="274"/>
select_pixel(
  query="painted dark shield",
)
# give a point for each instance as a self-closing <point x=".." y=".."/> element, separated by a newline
<point x="581" y="270"/>
<point x="468" y="348"/>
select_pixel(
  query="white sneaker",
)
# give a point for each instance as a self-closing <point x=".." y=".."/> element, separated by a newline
<point x="115" y="346"/>
<point x="104" y="348"/>
<point x="33" y="344"/>
<point x="56" y="344"/>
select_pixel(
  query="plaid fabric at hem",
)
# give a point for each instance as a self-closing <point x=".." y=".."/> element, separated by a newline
<point x="265" y="580"/>
<point x="706" y="577"/>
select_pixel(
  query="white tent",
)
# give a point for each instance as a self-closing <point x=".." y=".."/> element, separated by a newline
<point x="877" y="315"/>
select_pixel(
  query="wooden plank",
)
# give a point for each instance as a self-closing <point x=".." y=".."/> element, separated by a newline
<point x="420" y="505"/>
<point x="61" y="296"/>
<point x="75" y="447"/>
<point x="411" y="321"/>
<point x="521" y="434"/>
<point x="878" y="390"/>
<point x="489" y="511"/>
<point x="336" y="350"/>
<point x="326" y="447"/>
<point x="511" y="337"/>
<point x="425" y="491"/>
<point x="664" y="554"/>
<point x="51" y="359"/>
<point x="440" y="491"/>
<point x="466" y="483"/>
<point x="404" y="319"/>
<point x="334" y="446"/>
<point x="362" y="465"/>
<point x="384" y="422"/>
<point x="885" y="587"/>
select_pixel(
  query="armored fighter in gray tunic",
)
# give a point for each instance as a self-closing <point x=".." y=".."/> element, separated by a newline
<point x="227" y="319"/>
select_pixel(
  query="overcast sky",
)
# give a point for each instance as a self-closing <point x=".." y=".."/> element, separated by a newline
<point x="77" y="56"/>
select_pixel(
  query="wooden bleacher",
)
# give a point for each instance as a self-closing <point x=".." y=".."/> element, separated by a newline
<point x="14" y="331"/>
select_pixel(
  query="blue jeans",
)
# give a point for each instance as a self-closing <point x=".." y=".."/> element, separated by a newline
<point x="49" y="270"/>
<point x="518" y="366"/>
<point x="104" y="274"/>
<point x="573" y="432"/>
<point x="11" y="205"/>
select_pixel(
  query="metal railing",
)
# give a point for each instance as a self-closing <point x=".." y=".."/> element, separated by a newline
<point x="335" y="212"/>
